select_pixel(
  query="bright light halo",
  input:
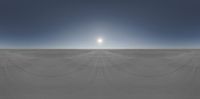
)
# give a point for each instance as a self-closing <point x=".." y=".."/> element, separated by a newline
<point x="99" y="40"/>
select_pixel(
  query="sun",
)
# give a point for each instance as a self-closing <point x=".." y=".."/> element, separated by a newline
<point x="99" y="40"/>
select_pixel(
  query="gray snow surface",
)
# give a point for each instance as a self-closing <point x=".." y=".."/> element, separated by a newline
<point x="100" y="74"/>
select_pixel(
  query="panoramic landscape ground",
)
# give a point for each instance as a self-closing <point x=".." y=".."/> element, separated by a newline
<point x="100" y="74"/>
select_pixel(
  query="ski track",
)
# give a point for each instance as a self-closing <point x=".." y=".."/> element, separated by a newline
<point x="99" y="74"/>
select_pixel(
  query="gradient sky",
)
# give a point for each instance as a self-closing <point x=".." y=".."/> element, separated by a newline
<point x="78" y="23"/>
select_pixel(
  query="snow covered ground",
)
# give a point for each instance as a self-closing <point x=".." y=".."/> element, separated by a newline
<point x="100" y="74"/>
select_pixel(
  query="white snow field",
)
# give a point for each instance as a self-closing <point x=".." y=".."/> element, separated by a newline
<point x="100" y="74"/>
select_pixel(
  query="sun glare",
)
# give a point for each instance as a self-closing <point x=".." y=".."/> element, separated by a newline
<point x="99" y="40"/>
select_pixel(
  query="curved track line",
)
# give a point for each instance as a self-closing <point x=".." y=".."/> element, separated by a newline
<point x="50" y="76"/>
<point x="158" y="76"/>
<point x="112" y="85"/>
<point x="90" y="82"/>
<point x="47" y="76"/>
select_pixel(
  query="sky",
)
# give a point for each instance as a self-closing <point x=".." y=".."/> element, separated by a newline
<point x="120" y="23"/>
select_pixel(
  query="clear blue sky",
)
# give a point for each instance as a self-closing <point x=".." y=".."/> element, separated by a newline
<point x="77" y="23"/>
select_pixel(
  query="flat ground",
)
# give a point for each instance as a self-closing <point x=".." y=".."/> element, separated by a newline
<point x="100" y="74"/>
